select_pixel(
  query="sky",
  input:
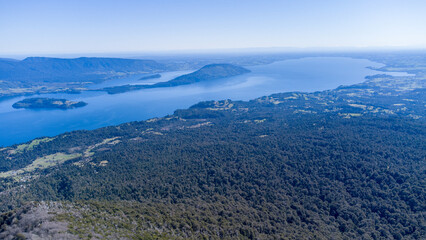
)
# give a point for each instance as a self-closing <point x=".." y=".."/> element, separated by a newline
<point x="99" y="26"/>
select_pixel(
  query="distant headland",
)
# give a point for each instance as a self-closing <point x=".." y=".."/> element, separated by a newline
<point x="207" y="73"/>
<point x="150" y="77"/>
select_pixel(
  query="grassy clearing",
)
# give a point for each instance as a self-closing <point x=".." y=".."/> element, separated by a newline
<point x="358" y="106"/>
<point x="42" y="163"/>
<point x="111" y="141"/>
<point x="50" y="160"/>
<point x="29" y="146"/>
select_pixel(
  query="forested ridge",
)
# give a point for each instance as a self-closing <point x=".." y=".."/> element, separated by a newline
<point x="347" y="163"/>
<point x="207" y="73"/>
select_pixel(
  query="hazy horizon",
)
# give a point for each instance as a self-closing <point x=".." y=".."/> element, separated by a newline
<point x="107" y="27"/>
<point x="212" y="52"/>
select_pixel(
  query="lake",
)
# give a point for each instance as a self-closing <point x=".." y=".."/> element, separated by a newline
<point x="305" y="74"/>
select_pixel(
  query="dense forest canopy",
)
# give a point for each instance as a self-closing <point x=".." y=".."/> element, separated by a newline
<point x="347" y="163"/>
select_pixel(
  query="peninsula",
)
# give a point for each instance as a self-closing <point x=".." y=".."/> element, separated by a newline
<point x="207" y="73"/>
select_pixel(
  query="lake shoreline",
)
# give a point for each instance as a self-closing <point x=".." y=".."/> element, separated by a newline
<point x="109" y="110"/>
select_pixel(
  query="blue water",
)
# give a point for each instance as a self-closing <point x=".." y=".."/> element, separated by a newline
<point x="306" y="74"/>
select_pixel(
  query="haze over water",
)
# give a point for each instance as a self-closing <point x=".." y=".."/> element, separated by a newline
<point x="306" y="74"/>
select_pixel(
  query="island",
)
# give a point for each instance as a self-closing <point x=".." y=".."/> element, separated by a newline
<point x="207" y="73"/>
<point x="150" y="77"/>
<point x="48" y="103"/>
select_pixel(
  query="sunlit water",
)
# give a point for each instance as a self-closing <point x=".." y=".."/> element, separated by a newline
<point x="306" y="74"/>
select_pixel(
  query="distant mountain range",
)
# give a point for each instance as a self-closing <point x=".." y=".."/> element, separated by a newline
<point x="78" y="69"/>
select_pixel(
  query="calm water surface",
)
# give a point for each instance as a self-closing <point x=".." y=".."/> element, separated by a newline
<point x="306" y="74"/>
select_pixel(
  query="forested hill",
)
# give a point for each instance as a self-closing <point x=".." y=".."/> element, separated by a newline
<point x="347" y="163"/>
<point x="207" y="73"/>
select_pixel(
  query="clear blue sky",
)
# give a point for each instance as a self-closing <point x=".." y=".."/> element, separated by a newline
<point x="90" y="26"/>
